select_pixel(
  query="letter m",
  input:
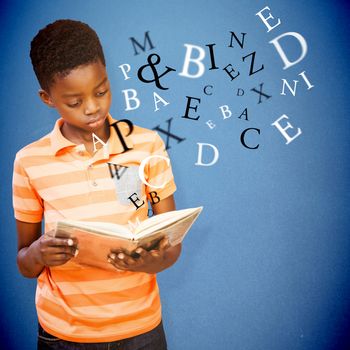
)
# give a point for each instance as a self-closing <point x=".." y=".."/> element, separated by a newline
<point x="146" y="40"/>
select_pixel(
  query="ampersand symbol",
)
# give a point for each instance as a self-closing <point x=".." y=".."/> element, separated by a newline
<point x="156" y="76"/>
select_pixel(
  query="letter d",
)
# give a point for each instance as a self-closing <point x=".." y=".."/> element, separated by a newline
<point x="279" y="49"/>
<point x="199" y="160"/>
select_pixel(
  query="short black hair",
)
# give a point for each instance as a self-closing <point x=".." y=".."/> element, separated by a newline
<point x="62" y="46"/>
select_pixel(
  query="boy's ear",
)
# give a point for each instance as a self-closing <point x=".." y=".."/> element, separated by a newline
<point x="45" y="97"/>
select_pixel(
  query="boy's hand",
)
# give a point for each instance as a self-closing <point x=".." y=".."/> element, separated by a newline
<point x="142" y="260"/>
<point x="54" y="251"/>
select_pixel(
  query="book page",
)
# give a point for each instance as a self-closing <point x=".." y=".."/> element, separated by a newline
<point x="159" y="221"/>
<point x="174" y="231"/>
<point x="103" y="228"/>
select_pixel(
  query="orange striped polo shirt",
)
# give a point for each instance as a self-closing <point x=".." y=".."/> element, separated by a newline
<point x="61" y="180"/>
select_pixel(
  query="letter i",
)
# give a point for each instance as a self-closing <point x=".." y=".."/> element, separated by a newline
<point x="212" y="58"/>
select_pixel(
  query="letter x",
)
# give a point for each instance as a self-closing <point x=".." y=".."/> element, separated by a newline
<point x="169" y="134"/>
<point x="260" y="93"/>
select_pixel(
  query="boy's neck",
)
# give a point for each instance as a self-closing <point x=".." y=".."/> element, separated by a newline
<point x="79" y="136"/>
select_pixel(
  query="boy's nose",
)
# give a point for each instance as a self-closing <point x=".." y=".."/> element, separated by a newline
<point x="91" y="107"/>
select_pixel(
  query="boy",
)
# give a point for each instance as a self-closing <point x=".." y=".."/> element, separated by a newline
<point x="86" y="169"/>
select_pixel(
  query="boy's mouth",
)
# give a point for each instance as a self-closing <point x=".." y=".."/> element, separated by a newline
<point x="96" y="122"/>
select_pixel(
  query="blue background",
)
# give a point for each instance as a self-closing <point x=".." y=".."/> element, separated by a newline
<point x="267" y="264"/>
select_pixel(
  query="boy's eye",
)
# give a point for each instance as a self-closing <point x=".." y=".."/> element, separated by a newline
<point x="72" y="105"/>
<point x="101" y="93"/>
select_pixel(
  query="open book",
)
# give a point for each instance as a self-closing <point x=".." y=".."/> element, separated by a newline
<point x="96" y="239"/>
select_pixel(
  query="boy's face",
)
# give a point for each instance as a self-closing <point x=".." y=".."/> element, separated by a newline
<point x="82" y="98"/>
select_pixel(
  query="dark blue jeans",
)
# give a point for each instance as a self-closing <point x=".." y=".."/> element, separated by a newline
<point x="153" y="340"/>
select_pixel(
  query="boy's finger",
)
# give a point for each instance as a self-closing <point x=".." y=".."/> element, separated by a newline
<point x="127" y="259"/>
<point x="117" y="267"/>
<point x="67" y="255"/>
<point x="66" y="242"/>
<point x="147" y="245"/>
<point x="116" y="251"/>
<point x="50" y="233"/>
<point x="118" y="264"/>
<point x="155" y="253"/>
<point x="112" y="259"/>
<point x="61" y="257"/>
<point x="62" y="249"/>
<point x="152" y="245"/>
<point x="139" y="253"/>
<point x="61" y="235"/>
<point x="70" y="241"/>
<point x="122" y="258"/>
<point x="164" y="244"/>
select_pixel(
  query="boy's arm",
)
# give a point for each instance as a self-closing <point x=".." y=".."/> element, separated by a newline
<point x="153" y="261"/>
<point x="172" y="253"/>
<point x="36" y="251"/>
<point x="166" y="204"/>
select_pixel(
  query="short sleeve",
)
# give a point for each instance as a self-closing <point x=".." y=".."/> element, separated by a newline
<point x="158" y="171"/>
<point x="27" y="204"/>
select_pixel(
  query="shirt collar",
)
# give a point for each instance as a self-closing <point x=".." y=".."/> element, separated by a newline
<point x="115" y="146"/>
<point x="58" y="141"/>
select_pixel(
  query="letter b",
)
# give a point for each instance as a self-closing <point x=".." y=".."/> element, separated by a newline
<point x="226" y="112"/>
<point x="154" y="197"/>
<point x="129" y="98"/>
<point x="197" y="61"/>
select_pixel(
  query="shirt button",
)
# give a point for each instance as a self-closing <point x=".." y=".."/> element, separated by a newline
<point x="94" y="183"/>
<point x="81" y="153"/>
<point x="90" y="166"/>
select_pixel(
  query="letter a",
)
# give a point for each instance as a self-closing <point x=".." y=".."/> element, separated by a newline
<point x="158" y="99"/>
<point x="104" y="145"/>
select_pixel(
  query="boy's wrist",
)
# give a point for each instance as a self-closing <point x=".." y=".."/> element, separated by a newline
<point x="35" y="253"/>
<point x="29" y="260"/>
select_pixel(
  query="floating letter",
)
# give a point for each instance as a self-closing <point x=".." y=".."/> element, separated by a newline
<point x="198" y="61"/>
<point x="279" y="49"/>
<point x="264" y="19"/>
<point x="283" y="130"/>
<point x="142" y="169"/>
<point x="131" y="97"/>
<point x="199" y="160"/>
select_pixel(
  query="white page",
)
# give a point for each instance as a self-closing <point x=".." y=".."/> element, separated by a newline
<point x="106" y="228"/>
<point x="157" y="222"/>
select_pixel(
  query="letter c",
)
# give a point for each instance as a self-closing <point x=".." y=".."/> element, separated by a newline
<point x="205" y="89"/>
<point x="142" y="169"/>
<point x="243" y="140"/>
